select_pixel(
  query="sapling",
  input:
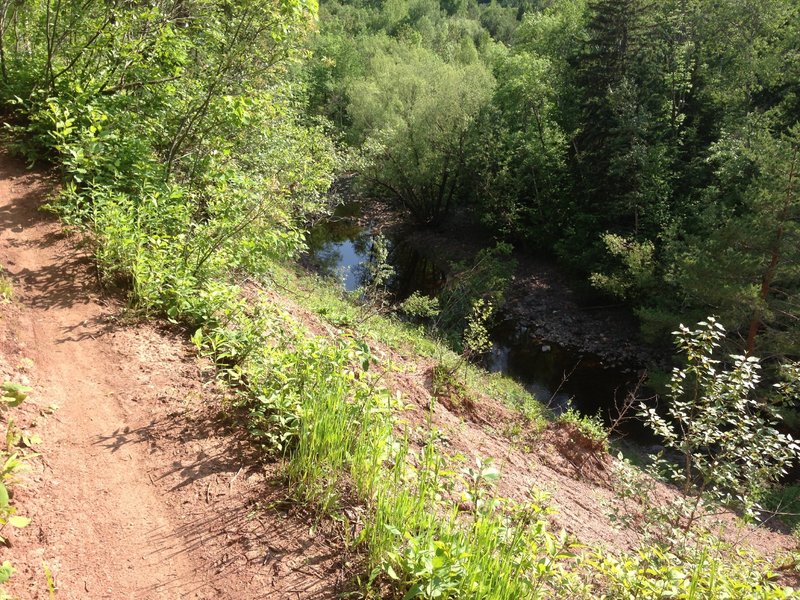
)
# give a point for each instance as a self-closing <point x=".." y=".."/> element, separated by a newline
<point x="721" y="425"/>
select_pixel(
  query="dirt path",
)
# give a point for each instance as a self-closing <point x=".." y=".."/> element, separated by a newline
<point x="138" y="493"/>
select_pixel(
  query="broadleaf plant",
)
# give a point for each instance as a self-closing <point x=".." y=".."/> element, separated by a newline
<point x="724" y="432"/>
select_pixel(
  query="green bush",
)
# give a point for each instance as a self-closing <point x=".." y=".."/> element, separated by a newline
<point x="590" y="426"/>
<point x="726" y="435"/>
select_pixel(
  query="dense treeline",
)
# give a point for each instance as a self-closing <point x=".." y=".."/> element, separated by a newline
<point x="651" y="146"/>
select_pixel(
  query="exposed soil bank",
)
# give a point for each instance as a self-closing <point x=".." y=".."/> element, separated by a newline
<point x="142" y="491"/>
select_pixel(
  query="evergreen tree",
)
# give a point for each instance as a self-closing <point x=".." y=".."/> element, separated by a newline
<point x="748" y="267"/>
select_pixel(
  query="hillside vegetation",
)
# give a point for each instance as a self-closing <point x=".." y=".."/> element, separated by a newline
<point x="651" y="146"/>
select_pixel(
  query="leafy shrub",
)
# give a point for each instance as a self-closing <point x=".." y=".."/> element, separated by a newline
<point x="706" y="570"/>
<point x="590" y="426"/>
<point x="6" y="288"/>
<point x="420" y="307"/>
<point x="445" y="381"/>
<point x="726" y="436"/>
<point x="12" y="463"/>
<point x="485" y="278"/>
<point x="180" y="178"/>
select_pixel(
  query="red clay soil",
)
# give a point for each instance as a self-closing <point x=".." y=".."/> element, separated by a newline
<point x="138" y="490"/>
<point x="142" y="492"/>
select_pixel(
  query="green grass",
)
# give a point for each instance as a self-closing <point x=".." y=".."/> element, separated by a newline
<point x="430" y="526"/>
<point x="328" y="301"/>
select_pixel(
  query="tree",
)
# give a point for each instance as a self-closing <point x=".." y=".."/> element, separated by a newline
<point x="412" y="113"/>
<point x="634" y="83"/>
<point x="177" y="129"/>
<point x="725" y="434"/>
<point x="518" y="153"/>
<point x="749" y="266"/>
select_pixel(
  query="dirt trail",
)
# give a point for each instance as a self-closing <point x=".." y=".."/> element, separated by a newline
<point x="137" y="494"/>
<point x="142" y="492"/>
<point x="111" y="531"/>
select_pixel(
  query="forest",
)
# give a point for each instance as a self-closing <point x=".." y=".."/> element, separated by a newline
<point x="649" y="149"/>
<point x="650" y="146"/>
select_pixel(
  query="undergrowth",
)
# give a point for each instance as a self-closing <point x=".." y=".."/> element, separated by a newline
<point x="13" y="457"/>
<point x="433" y="530"/>
<point x="6" y="288"/>
<point x="592" y="427"/>
<point x="333" y="305"/>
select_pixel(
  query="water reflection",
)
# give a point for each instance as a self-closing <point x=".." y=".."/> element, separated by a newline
<point x="342" y="248"/>
<point x="339" y="247"/>
<point x="413" y="272"/>
<point x="561" y="377"/>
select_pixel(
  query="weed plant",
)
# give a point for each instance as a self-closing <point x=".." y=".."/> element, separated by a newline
<point x="590" y="426"/>
<point x="6" y="289"/>
<point x="428" y="530"/>
<point x="12" y="463"/>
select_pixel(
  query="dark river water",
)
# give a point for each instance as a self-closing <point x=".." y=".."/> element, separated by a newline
<point x="341" y="247"/>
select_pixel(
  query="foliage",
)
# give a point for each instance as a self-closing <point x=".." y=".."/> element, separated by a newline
<point x="755" y="240"/>
<point x="674" y="560"/>
<point x="475" y="342"/>
<point x="6" y="288"/>
<point x="704" y="571"/>
<point x="6" y="571"/>
<point x="12" y="464"/>
<point x="411" y="113"/>
<point x="476" y="339"/>
<point x="635" y="273"/>
<point x="486" y="278"/>
<point x="335" y="307"/>
<point x="14" y="394"/>
<point x="517" y="153"/>
<point x="726" y="435"/>
<point x="419" y="306"/>
<point x="184" y="169"/>
<point x="650" y="146"/>
<point x="431" y="530"/>
<point x="592" y="427"/>
<point x="445" y="382"/>
<point x="377" y="274"/>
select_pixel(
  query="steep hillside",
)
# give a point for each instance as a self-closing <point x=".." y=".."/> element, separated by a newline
<point x="138" y="490"/>
<point x="145" y="486"/>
